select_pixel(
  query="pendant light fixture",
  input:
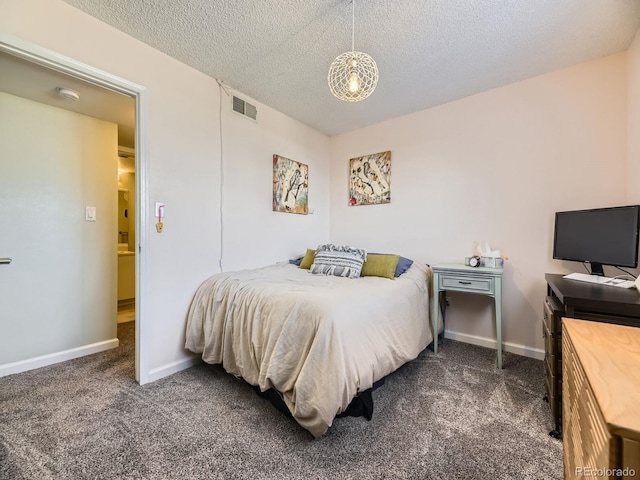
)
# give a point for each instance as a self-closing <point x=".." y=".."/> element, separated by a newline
<point x="353" y="76"/>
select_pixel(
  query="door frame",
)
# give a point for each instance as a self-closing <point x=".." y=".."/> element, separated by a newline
<point x="41" y="56"/>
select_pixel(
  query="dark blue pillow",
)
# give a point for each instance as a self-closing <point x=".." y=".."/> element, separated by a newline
<point x="403" y="264"/>
<point x="296" y="261"/>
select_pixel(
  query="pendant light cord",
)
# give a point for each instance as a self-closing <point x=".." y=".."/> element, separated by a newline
<point x="353" y="25"/>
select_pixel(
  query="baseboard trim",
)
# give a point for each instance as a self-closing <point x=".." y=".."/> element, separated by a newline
<point x="173" y="367"/>
<point x="516" y="348"/>
<point x="53" y="358"/>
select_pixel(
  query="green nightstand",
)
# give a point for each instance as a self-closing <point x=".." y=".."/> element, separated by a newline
<point x="460" y="278"/>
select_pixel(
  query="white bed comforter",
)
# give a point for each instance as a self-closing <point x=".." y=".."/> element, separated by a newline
<point x="319" y="340"/>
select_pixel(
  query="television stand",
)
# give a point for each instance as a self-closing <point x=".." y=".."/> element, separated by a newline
<point x="587" y="301"/>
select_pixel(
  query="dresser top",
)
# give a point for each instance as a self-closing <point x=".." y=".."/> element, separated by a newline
<point x="610" y="357"/>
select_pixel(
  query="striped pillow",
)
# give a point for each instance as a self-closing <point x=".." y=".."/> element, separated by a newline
<point x="338" y="260"/>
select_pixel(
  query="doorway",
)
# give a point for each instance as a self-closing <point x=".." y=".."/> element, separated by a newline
<point x="126" y="236"/>
<point x="79" y="71"/>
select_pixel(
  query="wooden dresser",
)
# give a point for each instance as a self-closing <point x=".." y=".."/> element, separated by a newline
<point x="601" y="400"/>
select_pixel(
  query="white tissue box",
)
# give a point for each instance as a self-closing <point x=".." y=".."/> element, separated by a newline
<point x="492" y="262"/>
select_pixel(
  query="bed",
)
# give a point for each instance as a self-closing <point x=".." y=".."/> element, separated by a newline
<point x="319" y="340"/>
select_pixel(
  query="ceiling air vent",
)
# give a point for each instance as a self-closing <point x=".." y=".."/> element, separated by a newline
<point x="244" y="108"/>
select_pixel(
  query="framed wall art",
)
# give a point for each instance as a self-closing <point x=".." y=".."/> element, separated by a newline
<point x="290" y="186"/>
<point x="370" y="179"/>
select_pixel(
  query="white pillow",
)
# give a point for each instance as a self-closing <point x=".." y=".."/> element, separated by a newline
<point x="338" y="260"/>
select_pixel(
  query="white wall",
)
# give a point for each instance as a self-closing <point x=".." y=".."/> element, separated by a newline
<point x="53" y="163"/>
<point x="633" y="117"/>
<point x="184" y="168"/>
<point x="493" y="166"/>
<point x="254" y="234"/>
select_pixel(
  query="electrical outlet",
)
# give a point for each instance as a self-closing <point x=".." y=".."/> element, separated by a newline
<point x="447" y="301"/>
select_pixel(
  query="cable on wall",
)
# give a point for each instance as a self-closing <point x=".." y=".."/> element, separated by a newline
<point x="221" y="88"/>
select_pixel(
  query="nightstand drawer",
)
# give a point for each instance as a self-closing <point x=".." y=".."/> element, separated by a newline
<point x="466" y="284"/>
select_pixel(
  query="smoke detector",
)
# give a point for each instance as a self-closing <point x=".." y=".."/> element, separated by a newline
<point x="68" y="93"/>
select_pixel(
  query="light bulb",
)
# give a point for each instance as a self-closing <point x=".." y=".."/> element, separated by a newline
<point x="354" y="83"/>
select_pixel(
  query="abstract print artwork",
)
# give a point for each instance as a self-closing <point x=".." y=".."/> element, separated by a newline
<point x="290" y="186"/>
<point x="370" y="179"/>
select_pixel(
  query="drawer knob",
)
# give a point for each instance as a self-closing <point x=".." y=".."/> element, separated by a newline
<point x="464" y="283"/>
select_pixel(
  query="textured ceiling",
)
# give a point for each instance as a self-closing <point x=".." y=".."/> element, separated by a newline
<point x="428" y="51"/>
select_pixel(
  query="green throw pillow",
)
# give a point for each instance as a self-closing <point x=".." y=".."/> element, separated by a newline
<point x="380" y="266"/>
<point x="308" y="259"/>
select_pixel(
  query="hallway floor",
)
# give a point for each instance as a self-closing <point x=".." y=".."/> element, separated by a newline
<point x="127" y="313"/>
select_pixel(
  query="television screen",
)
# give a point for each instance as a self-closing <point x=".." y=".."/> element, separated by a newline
<point x="603" y="236"/>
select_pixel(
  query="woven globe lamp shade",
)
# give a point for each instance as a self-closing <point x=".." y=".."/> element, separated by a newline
<point x="353" y="76"/>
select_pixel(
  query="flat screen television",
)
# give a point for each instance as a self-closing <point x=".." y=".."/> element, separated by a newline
<point x="600" y="236"/>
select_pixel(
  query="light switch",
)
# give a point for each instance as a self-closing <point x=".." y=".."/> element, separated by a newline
<point x="90" y="214"/>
